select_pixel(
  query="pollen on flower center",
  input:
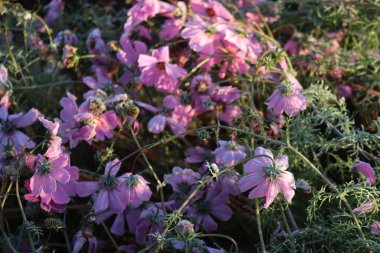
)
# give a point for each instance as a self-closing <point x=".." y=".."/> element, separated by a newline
<point x="272" y="172"/>
<point x="44" y="167"/>
<point x="161" y="65"/>
<point x="132" y="181"/>
<point x="109" y="181"/>
<point x="286" y="89"/>
<point x="211" y="30"/>
<point x="231" y="145"/>
<point x="7" y="126"/>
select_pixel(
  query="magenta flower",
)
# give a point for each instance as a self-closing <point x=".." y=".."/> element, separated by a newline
<point x="211" y="9"/>
<point x="229" y="153"/>
<point x="267" y="178"/>
<point x="224" y="97"/>
<point x="197" y="154"/>
<point x="134" y="189"/>
<point x="287" y="98"/>
<point x="107" y="190"/>
<point x="9" y="124"/>
<point x="151" y="221"/>
<point x="130" y="50"/>
<point x="204" y="37"/>
<point x="48" y="173"/>
<point x="367" y="170"/>
<point x="375" y="228"/>
<point x="214" y="204"/>
<point x="365" y="208"/>
<point x="156" y="70"/>
<point x="144" y="9"/>
<point x="81" y="238"/>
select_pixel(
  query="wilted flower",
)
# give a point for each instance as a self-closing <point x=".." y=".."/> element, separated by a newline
<point x="367" y="170"/>
<point x="375" y="228"/>
<point x="268" y="176"/>
<point x="69" y="57"/>
<point x="365" y="208"/>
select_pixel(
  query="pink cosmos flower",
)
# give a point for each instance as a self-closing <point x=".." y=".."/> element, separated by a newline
<point x="130" y="50"/>
<point x="197" y="154"/>
<point x="175" y="114"/>
<point x="228" y="153"/>
<point x="81" y="238"/>
<point x="375" y="228"/>
<point x="204" y="37"/>
<point x="224" y="97"/>
<point x="214" y="204"/>
<point x="144" y="9"/>
<point x="9" y="124"/>
<point x="367" y="170"/>
<point x="267" y="178"/>
<point x="98" y="47"/>
<point x="211" y="9"/>
<point x="107" y="191"/>
<point x="172" y="26"/>
<point x="365" y="208"/>
<point x="287" y="98"/>
<point x="48" y="173"/>
<point x="134" y="189"/>
<point x="156" y="70"/>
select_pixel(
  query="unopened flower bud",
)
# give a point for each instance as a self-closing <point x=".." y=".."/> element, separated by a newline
<point x="185" y="227"/>
<point x="53" y="223"/>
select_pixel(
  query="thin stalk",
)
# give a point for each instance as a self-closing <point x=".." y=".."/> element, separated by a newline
<point x="286" y="224"/>
<point x="30" y="239"/>
<point x="150" y="167"/>
<point x="6" y="194"/>
<point x="110" y="237"/>
<point x="259" y="227"/>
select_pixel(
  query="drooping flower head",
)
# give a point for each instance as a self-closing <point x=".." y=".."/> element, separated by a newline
<point x="134" y="189"/>
<point x="268" y="176"/>
<point x="287" y="97"/>
<point x="367" y="170"/>
<point x="229" y="153"/>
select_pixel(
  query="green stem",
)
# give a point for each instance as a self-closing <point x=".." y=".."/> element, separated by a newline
<point x="287" y="228"/>
<point x="259" y="227"/>
<point x="110" y="237"/>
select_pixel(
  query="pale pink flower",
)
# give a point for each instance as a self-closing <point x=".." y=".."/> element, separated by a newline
<point x="287" y="98"/>
<point x="157" y="71"/>
<point x="268" y="177"/>
<point x="210" y="9"/>
<point x="229" y="153"/>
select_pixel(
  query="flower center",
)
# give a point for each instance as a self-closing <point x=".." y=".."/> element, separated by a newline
<point x="231" y="145"/>
<point x="161" y="65"/>
<point x="272" y="172"/>
<point x="44" y="168"/>
<point x="220" y="108"/>
<point x="184" y="187"/>
<point x="132" y="181"/>
<point x="208" y="103"/>
<point x="211" y="30"/>
<point x="7" y="126"/>
<point x="178" y="13"/>
<point x="203" y="207"/>
<point x="109" y="181"/>
<point x="287" y="89"/>
<point x="96" y="106"/>
<point x="210" y="12"/>
<point x="155" y="218"/>
<point x="202" y="87"/>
